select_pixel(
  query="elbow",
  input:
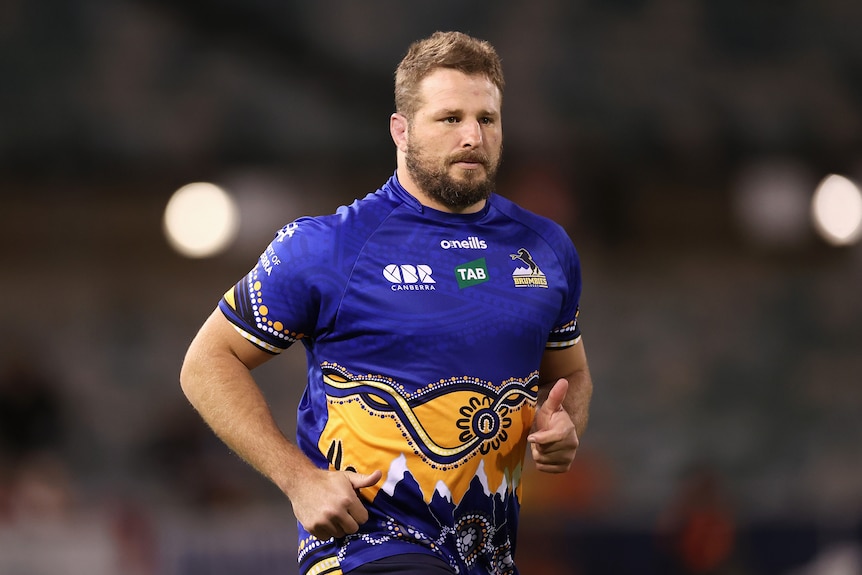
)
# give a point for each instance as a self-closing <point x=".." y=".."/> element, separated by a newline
<point x="189" y="375"/>
<point x="184" y="378"/>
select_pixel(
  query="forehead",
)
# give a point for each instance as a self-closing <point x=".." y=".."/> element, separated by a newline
<point x="449" y="89"/>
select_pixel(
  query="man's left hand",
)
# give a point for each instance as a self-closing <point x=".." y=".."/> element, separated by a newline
<point x="554" y="440"/>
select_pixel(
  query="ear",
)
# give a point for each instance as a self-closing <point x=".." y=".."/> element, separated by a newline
<point x="398" y="130"/>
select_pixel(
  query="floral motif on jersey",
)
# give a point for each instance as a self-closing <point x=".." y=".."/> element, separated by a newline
<point x="485" y="420"/>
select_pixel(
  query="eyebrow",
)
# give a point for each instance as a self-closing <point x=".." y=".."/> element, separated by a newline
<point x="459" y="112"/>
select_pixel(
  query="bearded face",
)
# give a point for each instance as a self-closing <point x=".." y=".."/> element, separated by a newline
<point x="445" y="181"/>
<point x="451" y="143"/>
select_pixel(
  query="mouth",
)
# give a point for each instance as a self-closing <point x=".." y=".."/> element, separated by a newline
<point x="469" y="162"/>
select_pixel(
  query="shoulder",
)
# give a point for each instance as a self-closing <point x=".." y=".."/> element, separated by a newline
<point x="549" y="230"/>
<point x="345" y="230"/>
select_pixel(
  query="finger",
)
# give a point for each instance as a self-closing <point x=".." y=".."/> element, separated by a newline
<point x="356" y="512"/>
<point x="358" y="515"/>
<point x="553" y="457"/>
<point x="337" y="521"/>
<point x="556" y="396"/>
<point x="359" y="480"/>
<point x="536" y="453"/>
<point x="555" y="468"/>
<point x="331" y="523"/>
<point x="545" y="462"/>
<point x="324" y="532"/>
<point x="552" y="463"/>
<point x="539" y="438"/>
<point x="561" y="432"/>
<point x="562" y="449"/>
<point x="347" y="524"/>
<point x="355" y="507"/>
<point x="547" y="441"/>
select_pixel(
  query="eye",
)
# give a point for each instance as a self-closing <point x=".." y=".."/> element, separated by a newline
<point x="450" y="120"/>
<point x="486" y="121"/>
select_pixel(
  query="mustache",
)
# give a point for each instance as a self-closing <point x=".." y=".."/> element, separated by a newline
<point x="470" y="156"/>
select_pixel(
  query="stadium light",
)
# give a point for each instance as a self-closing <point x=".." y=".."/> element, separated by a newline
<point x="200" y="220"/>
<point x="836" y="210"/>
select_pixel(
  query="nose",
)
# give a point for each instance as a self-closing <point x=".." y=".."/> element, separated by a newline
<point x="471" y="135"/>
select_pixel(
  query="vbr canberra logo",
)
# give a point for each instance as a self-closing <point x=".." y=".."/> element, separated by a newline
<point x="407" y="277"/>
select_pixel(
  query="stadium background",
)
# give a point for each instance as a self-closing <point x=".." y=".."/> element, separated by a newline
<point x="679" y="142"/>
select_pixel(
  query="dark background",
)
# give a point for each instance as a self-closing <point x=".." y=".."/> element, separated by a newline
<point x="678" y="141"/>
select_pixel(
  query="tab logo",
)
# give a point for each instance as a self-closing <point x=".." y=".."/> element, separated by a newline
<point x="471" y="273"/>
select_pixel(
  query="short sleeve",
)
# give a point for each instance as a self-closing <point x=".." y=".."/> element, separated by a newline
<point x="567" y="330"/>
<point x="274" y="305"/>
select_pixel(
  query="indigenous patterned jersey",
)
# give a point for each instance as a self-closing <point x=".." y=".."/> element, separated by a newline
<point x="424" y="331"/>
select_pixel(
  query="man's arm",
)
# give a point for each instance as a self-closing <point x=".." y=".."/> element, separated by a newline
<point x="565" y="389"/>
<point x="216" y="378"/>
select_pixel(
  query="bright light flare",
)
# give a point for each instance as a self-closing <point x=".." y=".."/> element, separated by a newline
<point x="836" y="210"/>
<point x="200" y="220"/>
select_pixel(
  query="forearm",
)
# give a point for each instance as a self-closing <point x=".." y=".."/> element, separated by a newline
<point x="216" y="378"/>
<point x="569" y="364"/>
<point x="223" y="391"/>
<point x="577" y="402"/>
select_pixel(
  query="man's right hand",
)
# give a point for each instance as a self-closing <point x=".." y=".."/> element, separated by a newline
<point x="327" y="503"/>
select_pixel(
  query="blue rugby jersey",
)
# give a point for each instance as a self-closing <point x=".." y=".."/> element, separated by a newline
<point x="423" y="332"/>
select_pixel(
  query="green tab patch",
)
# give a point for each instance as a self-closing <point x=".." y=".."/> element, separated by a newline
<point x="471" y="273"/>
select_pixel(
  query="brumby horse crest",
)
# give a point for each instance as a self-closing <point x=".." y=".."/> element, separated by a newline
<point x="530" y="276"/>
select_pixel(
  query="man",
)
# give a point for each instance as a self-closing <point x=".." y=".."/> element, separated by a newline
<point x="440" y="327"/>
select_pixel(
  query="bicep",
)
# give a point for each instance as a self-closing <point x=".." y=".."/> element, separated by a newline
<point x="218" y="339"/>
<point x="216" y="371"/>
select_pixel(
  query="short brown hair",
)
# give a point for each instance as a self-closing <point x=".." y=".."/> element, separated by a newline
<point x="454" y="50"/>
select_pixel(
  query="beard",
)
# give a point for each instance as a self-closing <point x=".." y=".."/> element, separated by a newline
<point x="455" y="194"/>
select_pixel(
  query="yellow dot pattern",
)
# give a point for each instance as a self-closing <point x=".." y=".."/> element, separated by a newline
<point x="262" y="318"/>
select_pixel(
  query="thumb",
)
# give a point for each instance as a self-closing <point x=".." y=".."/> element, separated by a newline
<point x="554" y="402"/>
<point x="360" y="480"/>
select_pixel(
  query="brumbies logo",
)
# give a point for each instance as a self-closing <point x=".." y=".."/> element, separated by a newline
<point x="530" y="276"/>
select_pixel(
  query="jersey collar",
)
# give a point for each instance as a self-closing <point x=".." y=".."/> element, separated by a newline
<point x="407" y="198"/>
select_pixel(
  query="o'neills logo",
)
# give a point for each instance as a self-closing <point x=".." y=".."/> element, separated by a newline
<point x="471" y="243"/>
<point x="529" y="276"/>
